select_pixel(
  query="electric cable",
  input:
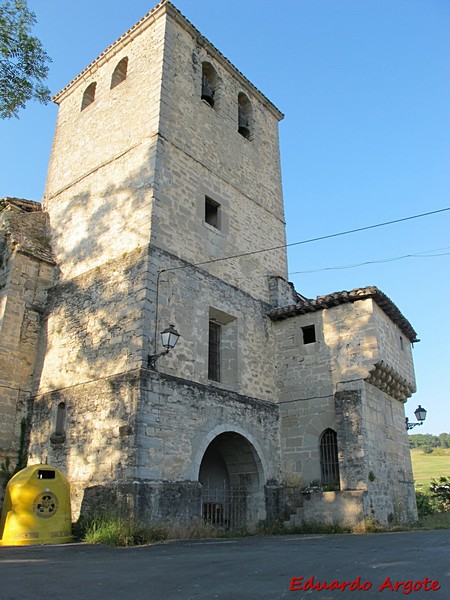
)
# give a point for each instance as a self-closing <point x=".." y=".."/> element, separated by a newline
<point x="425" y="254"/>
<point x="310" y="240"/>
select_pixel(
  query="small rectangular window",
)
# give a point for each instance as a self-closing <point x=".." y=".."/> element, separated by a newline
<point x="309" y="334"/>
<point x="212" y="212"/>
<point x="214" y="351"/>
<point x="402" y="345"/>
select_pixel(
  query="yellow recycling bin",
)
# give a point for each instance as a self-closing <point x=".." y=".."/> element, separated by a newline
<point x="36" y="509"/>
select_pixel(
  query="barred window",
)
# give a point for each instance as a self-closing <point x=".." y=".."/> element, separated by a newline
<point x="329" y="465"/>
<point x="214" y="351"/>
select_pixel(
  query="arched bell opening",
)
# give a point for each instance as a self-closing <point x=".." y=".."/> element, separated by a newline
<point x="245" y="116"/>
<point x="210" y="83"/>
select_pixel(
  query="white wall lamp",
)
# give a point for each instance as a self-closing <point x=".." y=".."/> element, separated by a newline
<point x="421" y="414"/>
<point x="169" y="338"/>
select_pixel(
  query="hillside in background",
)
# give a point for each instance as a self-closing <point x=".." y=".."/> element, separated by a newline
<point x="428" y="465"/>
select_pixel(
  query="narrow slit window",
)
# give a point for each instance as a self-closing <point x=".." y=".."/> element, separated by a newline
<point x="212" y="212"/>
<point x="59" y="435"/>
<point x="309" y="334"/>
<point x="60" y="419"/>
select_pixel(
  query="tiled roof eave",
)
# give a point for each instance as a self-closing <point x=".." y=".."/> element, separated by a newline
<point x="338" y="298"/>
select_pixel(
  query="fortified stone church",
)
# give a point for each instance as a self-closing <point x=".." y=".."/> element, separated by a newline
<point x="165" y="164"/>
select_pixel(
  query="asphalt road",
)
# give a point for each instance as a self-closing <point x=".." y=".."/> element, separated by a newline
<point x="237" y="569"/>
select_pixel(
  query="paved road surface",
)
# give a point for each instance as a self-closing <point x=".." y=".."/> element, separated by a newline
<point x="237" y="569"/>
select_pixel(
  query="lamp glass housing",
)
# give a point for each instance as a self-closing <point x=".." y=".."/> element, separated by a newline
<point x="169" y="337"/>
<point x="420" y="413"/>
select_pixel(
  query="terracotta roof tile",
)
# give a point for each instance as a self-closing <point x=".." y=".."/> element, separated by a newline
<point x="337" y="298"/>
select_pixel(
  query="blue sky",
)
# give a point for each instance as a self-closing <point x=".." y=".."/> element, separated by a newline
<point x="365" y="89"/>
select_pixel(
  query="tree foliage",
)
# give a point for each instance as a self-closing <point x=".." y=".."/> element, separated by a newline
<point x="23" y="60"/>
<point x="427" y="440"/>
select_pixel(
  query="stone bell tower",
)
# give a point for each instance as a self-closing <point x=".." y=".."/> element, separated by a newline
<point x="164" y="183"/>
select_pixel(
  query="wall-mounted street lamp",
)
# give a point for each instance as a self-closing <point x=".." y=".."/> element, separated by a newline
<point x="421" y="414"/>
<point x="169" y="338"/>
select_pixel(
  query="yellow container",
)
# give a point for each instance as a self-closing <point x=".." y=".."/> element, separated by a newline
<point x="36" y="509"/>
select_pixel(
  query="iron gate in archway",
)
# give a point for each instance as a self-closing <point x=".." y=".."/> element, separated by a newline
<point x="226" y="507"/>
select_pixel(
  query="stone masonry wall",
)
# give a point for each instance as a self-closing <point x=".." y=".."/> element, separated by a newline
<point x="350" y="339"/>
<point x="146" y="426"/>
<point x="95" y="324"/>
<point x="391" y="496"/>
<point x="162" y="140"/>
<point x="374" y="453"/>
<point x="98" y="444"/>
<point x="352" y="438"/>
<point x="100" y="326"/>
<point x="370" y="424"/>
<point x="305" y="394"/>
<point x="100" y="181"/>
<point x="394" y="347"/>
<point x="24" y="281"/>
<point x="189" y="297"/>
<point x="202" y="154"/>
<point x="103" y="322"/>
<point x="178" y="419"/>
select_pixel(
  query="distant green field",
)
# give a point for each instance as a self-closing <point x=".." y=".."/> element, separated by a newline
<point x="429" y="466"/>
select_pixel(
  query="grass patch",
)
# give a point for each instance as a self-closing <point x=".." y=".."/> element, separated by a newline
<point x="120" y="532"/>
<point x="438" y="520"/>
<point x="114" y="531"/>
<point x="429" y="466"/>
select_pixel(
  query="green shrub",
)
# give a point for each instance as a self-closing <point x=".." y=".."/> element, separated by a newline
<point x="440" y="491"/>
<point x="440" y="451"/>
<point x="425" y="504"/>
<point x="113" y="533"/>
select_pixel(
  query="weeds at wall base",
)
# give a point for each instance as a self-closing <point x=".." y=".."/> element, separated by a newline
<point x="115" y="531"/>
<point x="123" y="532"/>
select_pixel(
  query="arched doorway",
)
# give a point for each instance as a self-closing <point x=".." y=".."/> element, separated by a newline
<point x="232" y="482"/>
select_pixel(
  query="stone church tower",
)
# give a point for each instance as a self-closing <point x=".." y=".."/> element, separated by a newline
<point x="164" y="187"/>
<point x="165" y="160"/>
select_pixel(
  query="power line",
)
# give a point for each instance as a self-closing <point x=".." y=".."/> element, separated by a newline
<point x="310" y="240"/>
<point x="333" y="235"/>
<point x="425" y="254"/>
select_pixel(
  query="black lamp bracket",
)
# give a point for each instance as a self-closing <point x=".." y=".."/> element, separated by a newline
<point x="152" y="358"/>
